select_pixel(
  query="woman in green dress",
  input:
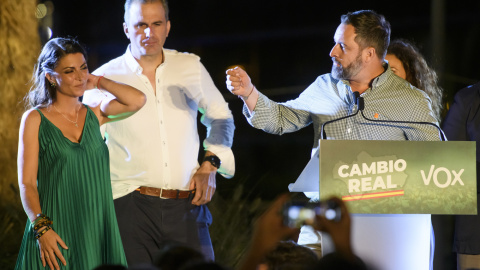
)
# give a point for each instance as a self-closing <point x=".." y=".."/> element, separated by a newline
<point x="63" y="163"/>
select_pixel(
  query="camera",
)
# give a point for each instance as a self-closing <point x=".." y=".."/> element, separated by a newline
<point x="299" y="213"/>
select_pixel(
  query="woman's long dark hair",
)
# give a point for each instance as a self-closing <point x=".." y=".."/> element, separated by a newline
<point x="419" y="74"/>
<point x="42" y="93"/>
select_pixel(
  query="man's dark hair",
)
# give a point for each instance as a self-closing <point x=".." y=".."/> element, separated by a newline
<point x="290" y="256"/>
<point x="371" y="28"/>
<point x="128" y="4"/>
<point x="174" y="256"/>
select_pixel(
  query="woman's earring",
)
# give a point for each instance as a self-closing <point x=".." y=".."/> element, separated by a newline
<point x="53" y="84"/>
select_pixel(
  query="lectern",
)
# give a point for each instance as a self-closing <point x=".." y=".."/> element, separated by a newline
<point x="391" y="188"/>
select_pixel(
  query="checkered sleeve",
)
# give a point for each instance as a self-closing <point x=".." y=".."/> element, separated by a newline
<point x="277" y="118"/>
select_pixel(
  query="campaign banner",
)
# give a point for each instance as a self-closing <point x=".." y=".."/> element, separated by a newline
<point x="400" y="177"/>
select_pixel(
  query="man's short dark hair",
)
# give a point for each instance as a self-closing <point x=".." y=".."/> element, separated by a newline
<point x="371" y="28"/>
<point x="128" y="4"/>
<point x="288" y="256"/>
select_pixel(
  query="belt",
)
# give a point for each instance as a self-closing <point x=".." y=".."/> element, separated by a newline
<point x="166" y="193"/>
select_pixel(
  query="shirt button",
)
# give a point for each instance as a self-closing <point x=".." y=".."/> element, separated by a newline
<point x="165" y="164"/>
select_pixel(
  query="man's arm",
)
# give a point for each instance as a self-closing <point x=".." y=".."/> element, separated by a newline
<point x="268" y="231"/>
<point x="265" y="114"/>
<point x="218" y="120"/>
<point x="455" y="123"/>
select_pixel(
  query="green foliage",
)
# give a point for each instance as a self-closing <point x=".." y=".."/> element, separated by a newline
<point x="12" y="226"/>
<point x="232" y="225"/>
<point x="19" y="48"/>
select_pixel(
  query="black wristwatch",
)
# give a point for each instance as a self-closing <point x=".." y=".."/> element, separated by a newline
<point x="214" y="160"/>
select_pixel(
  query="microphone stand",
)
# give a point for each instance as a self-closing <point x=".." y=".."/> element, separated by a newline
<point x="357" y="97"/>
<point x="361" y="106"/>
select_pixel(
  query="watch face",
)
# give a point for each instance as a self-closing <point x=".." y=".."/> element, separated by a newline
<point x="214" y="160"/>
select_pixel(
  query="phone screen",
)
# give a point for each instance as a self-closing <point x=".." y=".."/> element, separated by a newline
<point x="297" y="214"/>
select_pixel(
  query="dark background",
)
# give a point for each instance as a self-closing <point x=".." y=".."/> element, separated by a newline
<point x="284" y="46"/>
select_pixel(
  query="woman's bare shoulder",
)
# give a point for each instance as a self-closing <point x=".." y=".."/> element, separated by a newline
<point x="31" y="117"/>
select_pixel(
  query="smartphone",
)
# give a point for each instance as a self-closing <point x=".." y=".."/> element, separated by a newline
<point x="299" y="213"/>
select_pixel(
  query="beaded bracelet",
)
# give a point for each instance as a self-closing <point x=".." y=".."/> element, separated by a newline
<point x="40" y="218"/>
<point x="37" y="217"/>
<point x="41" y="221"/>
<point x="42" y="232"/>
<point x="42" y="224"/>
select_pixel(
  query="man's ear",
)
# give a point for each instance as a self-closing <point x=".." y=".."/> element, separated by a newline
<point x="168" y="27"/>
<point x="369" y="54"/>
<point x="125" y="30"/>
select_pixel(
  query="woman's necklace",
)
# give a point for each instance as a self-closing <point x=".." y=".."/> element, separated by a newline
<point x="74" y="122"/>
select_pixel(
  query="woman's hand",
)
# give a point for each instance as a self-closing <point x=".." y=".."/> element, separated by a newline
<point x="48" y="245"/>
<point x="92" y="81"/>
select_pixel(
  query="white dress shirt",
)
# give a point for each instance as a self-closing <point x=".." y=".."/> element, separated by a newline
<point x="159" y="145"/>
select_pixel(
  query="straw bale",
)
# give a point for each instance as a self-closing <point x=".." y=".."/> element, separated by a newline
<point x="19" y="48"/>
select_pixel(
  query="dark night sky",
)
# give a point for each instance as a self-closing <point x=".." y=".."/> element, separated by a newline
<point x="284" y="45"/>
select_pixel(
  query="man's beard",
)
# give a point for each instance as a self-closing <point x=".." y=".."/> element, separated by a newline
<point x="347" y="73"/>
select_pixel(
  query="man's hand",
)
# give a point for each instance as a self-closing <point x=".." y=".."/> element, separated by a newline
<point x="268" y="231"/>
<point x="339" y="231"/>
<point x="204" y="181"/>
<point x="238" y="82"/>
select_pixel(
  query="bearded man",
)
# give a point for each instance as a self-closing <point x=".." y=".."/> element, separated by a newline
<point x="361" y="42"/>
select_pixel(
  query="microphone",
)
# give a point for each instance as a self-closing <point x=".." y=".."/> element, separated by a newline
<point x="356" y="99"/>
<point x="361" y="105"/>
<point x="359" y="101"/>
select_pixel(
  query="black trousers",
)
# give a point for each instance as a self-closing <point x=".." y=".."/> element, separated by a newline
<point x="147" y="223"/>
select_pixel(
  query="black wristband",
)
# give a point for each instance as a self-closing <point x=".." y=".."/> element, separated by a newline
<point x="214" y="160"/>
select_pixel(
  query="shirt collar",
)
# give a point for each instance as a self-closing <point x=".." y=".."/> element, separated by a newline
<point x="132" y="62"/>
<point x="382" y="78"/>
<point x="134" y="65"/>
<point x="345" y="91"/>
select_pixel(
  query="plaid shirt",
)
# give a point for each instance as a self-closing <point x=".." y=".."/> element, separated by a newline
<point x="389" y="98"/>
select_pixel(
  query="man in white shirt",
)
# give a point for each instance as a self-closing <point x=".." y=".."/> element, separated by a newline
<point x="159" y="188"/>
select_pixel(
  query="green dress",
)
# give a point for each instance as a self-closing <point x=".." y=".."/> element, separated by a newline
<point x="75" y="192"/>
